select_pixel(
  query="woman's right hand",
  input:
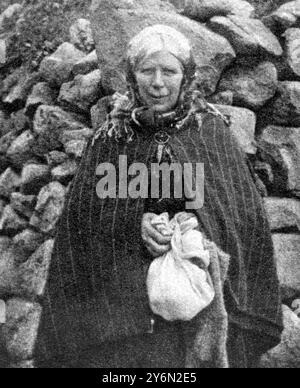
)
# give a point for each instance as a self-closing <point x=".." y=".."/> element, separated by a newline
<point x="156" y="243"/>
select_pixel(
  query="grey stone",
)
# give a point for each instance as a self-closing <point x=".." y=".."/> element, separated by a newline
<point x="6" y="141"/>
<point x="87" y="64"/>
<point x="41" y="94"/>
<point x="281" y="147"/>
<point x="82" y="134"/>
<point x="283" y="213"/>
<point x="49" y="207"/>
<point x="34" y="177"/>
<point x="247" y="36"/>
<point x="243" y="123"/>
<point x="54" y="158"/>
<point x="75" y="148"/>
<point x="121" y="20"/>
<point x="285" y="16"/>
<point x="50" y="122"/>
<point x="56" y="68"/>
<point x="20" y="330"/>
<point x="9" y="14"/>
<point x="287" y="248"/>
<point x="3" y="56"/>
<point x="33" y="274"/>
<point x="23" y="365"/>
<point x="292" y="40"/>
<point x="65" y="172"/>
<point x="9" y="182"/>
<point x="285" y="109"/>
<point x="25" y="244"/>
<point x="203" y="10"/>
<point x="8" y="275"/>
<point x="20" y="149"/>
<point x="81" y="35"/>
<point x="287" y="353"/>
<point x="23" y="204"/>
<point x="11" y="222"/>
<point x="81" y="93"/>
<point x="251" y="87"/>
<point x="222" y="98"/>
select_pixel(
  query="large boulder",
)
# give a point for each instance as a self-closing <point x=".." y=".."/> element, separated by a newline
<point x="9" y="182"/>
<point x="203" y="10"/>
<point x="3" y="56"/>
<point x="9" y="14"/>
<point x="20" y="330"/>
<point x="292" y="41"/>
<point x="287" y="248"/>
<point x="115" y="22"/>
<point x="247" y="36"/>
<point x="65" y="172"/>
<point x="23" y="204"/>
<point x="287" y="353"/>
<point x="252" y="87"/>
<point x="284" y="17"/>
<point x="34" y="272"/>
<point x="81" y="35"/>
<point x="21" y="148"/>
<point x="280" y="147"/>
<point x="49" y="207"/>
<point x="11" y="222"/>
<point x="56" y="68"/>
<point x="285" y="109"/>
<point x="242" y="125"/>
<point x="283" y="213"/>
<point x="34" y="177"/>
<point x="8" y="276"/>
<point x="25" y="244"/>
<point x="87" y="64"/>
<point x="81" y="93"/>
<point x="41" y="94"/>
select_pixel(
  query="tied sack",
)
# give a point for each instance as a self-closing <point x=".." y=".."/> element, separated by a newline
<point x="179" y="284"/>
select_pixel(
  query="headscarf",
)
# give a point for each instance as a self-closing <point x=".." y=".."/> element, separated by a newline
<point x="129" y="110"/>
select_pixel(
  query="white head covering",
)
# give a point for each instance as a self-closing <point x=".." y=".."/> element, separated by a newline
<point x="157" y="38"/>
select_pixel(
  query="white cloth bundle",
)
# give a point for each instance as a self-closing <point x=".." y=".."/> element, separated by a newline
<point x="179" y="285"/>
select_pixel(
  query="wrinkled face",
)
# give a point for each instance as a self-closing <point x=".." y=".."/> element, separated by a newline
<point x="159" y="77"/>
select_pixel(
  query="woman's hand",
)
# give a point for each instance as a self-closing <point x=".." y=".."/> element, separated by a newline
<point x="156" y="243"/>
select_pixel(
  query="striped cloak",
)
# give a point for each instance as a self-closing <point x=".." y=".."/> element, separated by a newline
<point x="96" y="290"/>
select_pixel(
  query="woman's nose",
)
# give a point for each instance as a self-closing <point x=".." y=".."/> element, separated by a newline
<point x="158" y="81"/>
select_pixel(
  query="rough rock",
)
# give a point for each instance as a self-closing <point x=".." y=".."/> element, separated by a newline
<point x="65" y="172"/>
<point x="247" y="36"/>
<point x="6" y="141"/>
<point x="75" y="148"/>
<point x="283" y="213"/>
<point x="203" y="10"/>
<point x="121" y="20"/>
<point x="81" y="35"/>
<point x="285" y="109"/>
<point x="287" y="353"/>
<point x="11" y="222"/>
<point x="51" y="121"/>
<point x="243" y="122"/>
<point x="54" y="158"/>
<point x="87" y="64"/>
<point x="2" y="51"/>
<point x="82" y="134"/>
<point x="41" y="94"/>
<point x="292" y="49"/>
<point x="222" y="98"/>
<point x="34" y="177"/>
<point x="56" y="68"/>
<point x="25" y="244"/>
<point x="284" y="17"/>
<point x="21" y="148"/>
<point x="9" y="14"/>
<point x="81" y="93"/>
<point x="280" y="147"/>
<point x="287" y="248"/>
<point x="8" y="274"/>
<point x="9" y="182"/>
<point x="33" y="274"/>
<point x="251" y="87"/>
<point x="49" y="207"/>
<point x="23" y="204"/>
<point x="20" y="330"/>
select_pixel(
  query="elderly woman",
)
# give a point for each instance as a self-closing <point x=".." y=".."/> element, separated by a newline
<point x="96" y="308"/>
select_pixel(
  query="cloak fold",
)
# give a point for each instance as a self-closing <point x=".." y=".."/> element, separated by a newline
<point x="96" y="290"/>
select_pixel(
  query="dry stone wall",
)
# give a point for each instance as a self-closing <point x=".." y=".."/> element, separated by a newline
<point x="248" y="66"/>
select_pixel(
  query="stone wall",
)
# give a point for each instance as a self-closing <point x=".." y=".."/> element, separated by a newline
<point x="249" y="67"/>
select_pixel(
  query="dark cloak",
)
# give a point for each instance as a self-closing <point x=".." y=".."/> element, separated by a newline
<point x="96" y="290"/>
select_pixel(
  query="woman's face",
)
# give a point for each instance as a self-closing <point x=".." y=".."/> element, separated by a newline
<point x="159" y="77"/>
